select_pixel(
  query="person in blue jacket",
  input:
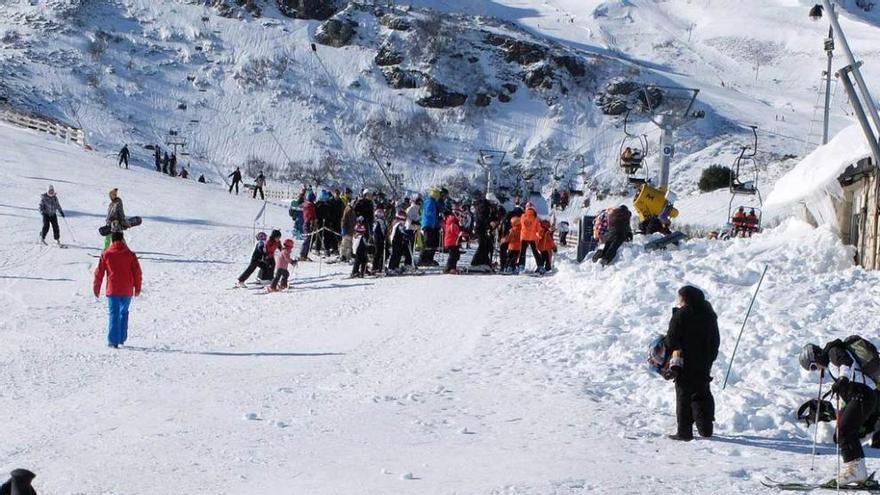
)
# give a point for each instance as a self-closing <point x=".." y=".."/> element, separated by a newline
<point x="430" y="228"/>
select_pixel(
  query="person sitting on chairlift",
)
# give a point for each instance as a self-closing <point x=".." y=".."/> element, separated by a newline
<point x="739" y="222"/>
<point x="751" y="222"/>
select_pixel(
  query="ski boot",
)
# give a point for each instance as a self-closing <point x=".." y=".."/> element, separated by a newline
<point x="853" y="472"/>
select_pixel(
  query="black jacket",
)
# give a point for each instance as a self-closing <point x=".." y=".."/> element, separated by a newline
<point x="365" y="208"/>
<point x="618" y="222"/>
<point x="482" y="216"/>
<point x="694" y="332"/>
<point x="836" y="354"/>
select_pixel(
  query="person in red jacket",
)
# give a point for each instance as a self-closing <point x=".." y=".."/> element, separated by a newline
<point x="451" y="235"/>
<point x="546" y="246"/>
<point x="123" y="280"/>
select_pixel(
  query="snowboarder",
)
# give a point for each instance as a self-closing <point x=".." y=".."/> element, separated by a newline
<point x="115" y="216"/>
<point x="400" y="245"/>
<point x="236" y="180"/>
<point x="361" y="249"/>
<point x="380" y="231"/>
<point x="282" y="264"/>
<point x="530" y="230"/>
<point x="123" y="280"/>
<point x="257" y="259"/>
<point x="19" y="483"/>
<point x="258" y="186"/>
<point x="50" y="208"/>
<point x="692" y="340"/>
<point x="123" y="156"/>
<point x="451" y="240"/>
<point x="856" y="388"/>
<point x="157" y="157"/>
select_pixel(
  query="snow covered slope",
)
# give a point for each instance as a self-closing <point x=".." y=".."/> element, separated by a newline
<point x="432" y="384"/>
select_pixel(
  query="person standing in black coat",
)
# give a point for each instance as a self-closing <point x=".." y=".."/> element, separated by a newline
<point x="482" y="227"/>
<point x="157" y="156"/>
<point x="364" y="207"/>
<point x="123" y="156"/>
<point x="236" y="180"/>
<point x="166" y="163"/>
<point x="693" y="340"/>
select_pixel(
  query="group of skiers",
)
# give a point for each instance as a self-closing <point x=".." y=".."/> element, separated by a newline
<point x="166" y="164"/>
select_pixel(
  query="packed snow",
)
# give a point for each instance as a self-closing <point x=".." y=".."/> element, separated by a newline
<point x="432" y="384"/>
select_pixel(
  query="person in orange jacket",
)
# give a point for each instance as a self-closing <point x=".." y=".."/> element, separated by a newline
<point x="529" y="234"/>
<point x="123" y="272"/>
<point x="546" y="245"/>
<point x="514" y="245"/>
<point x="739" y="222"/>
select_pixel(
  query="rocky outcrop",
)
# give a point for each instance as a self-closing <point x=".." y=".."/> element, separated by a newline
<point x="482" y="99"/>
<point x="540" y="76"/>
<point x="441" y="97"/>
<point x="620" y="95"/>
<point x="387" y="56"/>
<point x="335" y="32"/>
<point x="398" y="78"/>
<point x="521" y="52"/>
<point x="308" y="9"/>
<point x="395" y="22"/>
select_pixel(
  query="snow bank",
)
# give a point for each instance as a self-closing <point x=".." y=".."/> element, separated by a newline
<point x="813" y="181"/>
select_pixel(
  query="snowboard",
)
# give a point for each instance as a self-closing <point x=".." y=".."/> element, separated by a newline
<point x="663" y="242"/>
<point x="870" y="485"/>
<point x="104" y="230"/>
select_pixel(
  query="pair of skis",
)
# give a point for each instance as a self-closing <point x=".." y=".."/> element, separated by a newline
<point x="869" y="485"/>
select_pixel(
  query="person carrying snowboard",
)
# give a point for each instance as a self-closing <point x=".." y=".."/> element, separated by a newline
<point x="115" y="216"/>
<point x="849" y="362"/>
<point x="236" y="180"/>
<point x="123" y="272"/>
<point x="123" y="156"/>
<point x="258" y="186"/>
<point x="282" y="265"/>
<point x="257" y="259"/>
<point x="693" y="340"/>
<point x="50" y="208"/>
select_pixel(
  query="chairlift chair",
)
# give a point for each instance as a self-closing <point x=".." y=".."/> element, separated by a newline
<point x="744" y="175"/>
<point x="632" y="154"/>
<point x="734" y="228"/>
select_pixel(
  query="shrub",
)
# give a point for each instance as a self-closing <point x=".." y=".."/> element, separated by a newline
<point x="715" y="177"/>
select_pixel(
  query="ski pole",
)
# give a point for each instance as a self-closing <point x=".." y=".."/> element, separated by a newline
<point x="69" y="230"/>
<point x="743" y="327"/>
<point x="816" y="433"/>
<point x="837" y="441"/>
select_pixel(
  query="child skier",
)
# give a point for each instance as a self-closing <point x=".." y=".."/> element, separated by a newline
<point x="257" y="259"/>
<point x="360" y="246"/>
<point x="272" y="245"/>
<point x="546" y="246"/>
<point x="282" y="263"/>
<point x="400" y="246"/>
<point x="380" y="230"/>
<point x="451" y="239"/>
<point x="514" y="244"/>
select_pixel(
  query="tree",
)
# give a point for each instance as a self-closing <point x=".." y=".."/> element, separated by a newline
<point x="715" y="177"/>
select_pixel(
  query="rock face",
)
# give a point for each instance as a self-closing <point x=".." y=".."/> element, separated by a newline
<point x="482" y="100"/>
<point x="387" y="56"/>
<point x="620" y="95"/>
<point x="573" y="65"/>
<point x="402" y="79"/>
<point x="441" y="97"/>
<point x="518" y="51"/>
<point x="394" y="22"/>
<point x="308" y="9"/>
<point x="540" y="76"/>
<point x="334" y="32"/>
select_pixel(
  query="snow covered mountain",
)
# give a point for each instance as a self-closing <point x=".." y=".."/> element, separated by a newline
<point x="241" y="82"/>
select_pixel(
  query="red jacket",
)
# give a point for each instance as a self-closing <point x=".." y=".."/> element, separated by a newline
<point x="451" y="232"/>
<point x="122" y="269"/>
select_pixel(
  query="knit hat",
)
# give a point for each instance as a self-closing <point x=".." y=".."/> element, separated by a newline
<point x="51" y="191"/>
<point x="401" y="215"/>
<point x="288" y="243"/>
<point x="114" y="192"/>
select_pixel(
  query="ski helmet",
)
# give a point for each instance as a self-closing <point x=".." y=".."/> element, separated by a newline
<point x="261" y="236"/>
<point x="288" y="243"/>
<point x="809" y="357"/>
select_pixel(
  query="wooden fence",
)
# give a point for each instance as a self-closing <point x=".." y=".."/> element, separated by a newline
<point x="62" y="131"/>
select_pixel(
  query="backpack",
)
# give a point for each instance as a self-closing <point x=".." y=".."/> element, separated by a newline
<point x="865" y="353"/>
<point x="658" y="354"/>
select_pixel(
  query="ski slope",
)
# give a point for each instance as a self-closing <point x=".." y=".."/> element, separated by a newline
<point x="432" y="384"/>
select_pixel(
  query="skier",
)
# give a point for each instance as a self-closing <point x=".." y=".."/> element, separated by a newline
<point x="364" y="207"/>
<point x="172" y="166"/>
<point x="856" y="388"/>
<point x="166" y="163"/>
<point x="693" y="340"/>
<point x="361" y="249"/>
<point x="451" y="239"/>
<point x="512" y="242"/>
<point x="380" y="231"/>
<point x="530" y="226"/>
<point x="272" y="245"/>
<point x="183" y="173"/>
<point x="310" y="226"/>
<point x="19" y="483"/>
<point x="400" y="245"/>
<point x="413" y="220"/>
<point x="347" y="226"/>
<point x="123" y="156"/>
<point x="295" y="212"/>
<point x="619" y="231"/>
<point x="546" y="246"/>
<point x="483" y="224"/>
<point x="202" y="179"/>
<point x="431" y="227"/>
<point x="258" y="186"/>
<point x="236" y="180"/>
<point x="282" y="264"/>
<point x="123" y="279"/>
<point x="50" y="208"/>
<point x="157" y="156"/>
<point x="257" y="259"/>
